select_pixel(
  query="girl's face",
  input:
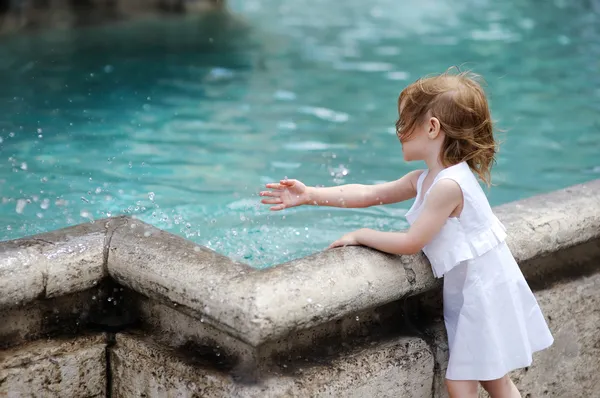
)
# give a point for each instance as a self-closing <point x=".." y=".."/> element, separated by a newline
<point x="416" y="144"/>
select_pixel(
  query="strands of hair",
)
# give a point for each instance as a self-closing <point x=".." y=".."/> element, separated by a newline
<point x="459" y="102"/>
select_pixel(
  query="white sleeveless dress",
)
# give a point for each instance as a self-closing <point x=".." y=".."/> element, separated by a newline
<point x="492" y="318"/>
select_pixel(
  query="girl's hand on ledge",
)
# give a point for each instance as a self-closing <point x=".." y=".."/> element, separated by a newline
<point x="350" y="239"/>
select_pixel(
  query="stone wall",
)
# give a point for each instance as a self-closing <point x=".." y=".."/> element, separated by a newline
<point x="119" y="308"/>
<point x="17" y="15"/>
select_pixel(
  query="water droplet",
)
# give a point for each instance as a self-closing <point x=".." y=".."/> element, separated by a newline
<point x="357" y="319"/>
<point x="23" y="166"/>
<point x="11" y="134"/>
<point x="21" y="203"/>
<point x="85" y="200"/>
<point x="309" y="300"/>
<point x="110" y="299"/>
<point x="151" y="196"/>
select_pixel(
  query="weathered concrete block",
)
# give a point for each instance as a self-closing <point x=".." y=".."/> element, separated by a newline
<point x="176" y="330"/>
<point x="175" y="271"/>
<point x="402" y="367"/>
<point x="52" y="264"/>
<point x="64" y="14"/>
<point x="549" y="223"/>
<point x="267" y="305"/>
<point x="55" y="368"/>
<point x="65" y="315"/>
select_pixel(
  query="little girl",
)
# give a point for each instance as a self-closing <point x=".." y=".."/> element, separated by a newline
<point x="493" y="321"/>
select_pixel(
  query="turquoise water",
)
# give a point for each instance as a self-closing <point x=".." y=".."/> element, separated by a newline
<point x="180" y="122"/>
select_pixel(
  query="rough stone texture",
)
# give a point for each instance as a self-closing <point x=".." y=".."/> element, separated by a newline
<point x="225" y="313"/>
<point x="396" y="368"/>
<point x="55" y="368"/>
<point x="571" y="366"/>
<point x="182" y="332"/>
<point x="70" y="14"/>
<point x="265" y="305"/>
<point x="52" y="264"/>
<point x="174" y="271"/>
<point x="545" y="224"/>
<point x="66" y="315"/>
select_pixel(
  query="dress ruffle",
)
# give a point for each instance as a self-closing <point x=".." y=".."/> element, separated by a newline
<point x="453" y="246"/>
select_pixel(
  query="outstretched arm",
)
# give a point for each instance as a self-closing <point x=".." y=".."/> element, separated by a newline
<point x="443" y="199"/>
<point x="290" y="193"/>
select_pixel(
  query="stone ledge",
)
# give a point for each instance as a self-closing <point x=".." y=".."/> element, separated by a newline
<point x="53" y="264"/>
<point x="258" y="306"/>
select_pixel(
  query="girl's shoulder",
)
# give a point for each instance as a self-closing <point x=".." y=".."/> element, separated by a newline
<point x="414" y="177"/>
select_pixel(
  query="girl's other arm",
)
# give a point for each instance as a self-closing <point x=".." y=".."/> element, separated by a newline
<point x="443" y="199"/>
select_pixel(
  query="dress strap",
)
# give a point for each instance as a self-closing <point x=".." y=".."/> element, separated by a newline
<point x="421" y="179"/>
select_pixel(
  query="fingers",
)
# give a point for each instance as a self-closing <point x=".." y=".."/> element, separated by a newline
<point x="278" y="207"/>
<point x="274" y="194"/>
<point x="274" y="185"/>
<point x="283" y="184"/>
<point x="287" y="183"/>
<point x="274" y="201"/>
<point x="337" y="243"/>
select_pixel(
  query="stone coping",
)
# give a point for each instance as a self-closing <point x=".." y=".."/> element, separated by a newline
<point x="261" y="305"/>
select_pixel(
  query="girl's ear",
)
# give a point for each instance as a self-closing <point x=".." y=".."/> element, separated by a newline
<point x="433" y="128"/>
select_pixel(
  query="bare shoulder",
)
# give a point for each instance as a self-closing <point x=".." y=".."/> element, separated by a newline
<point x="413" y="177"/>
<point x="445" y="192"/>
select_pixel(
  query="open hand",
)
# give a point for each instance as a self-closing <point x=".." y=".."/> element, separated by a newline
<point x="286" y="193"/>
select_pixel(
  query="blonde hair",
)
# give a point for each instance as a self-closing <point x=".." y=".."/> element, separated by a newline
<point x="460" y="105"/>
